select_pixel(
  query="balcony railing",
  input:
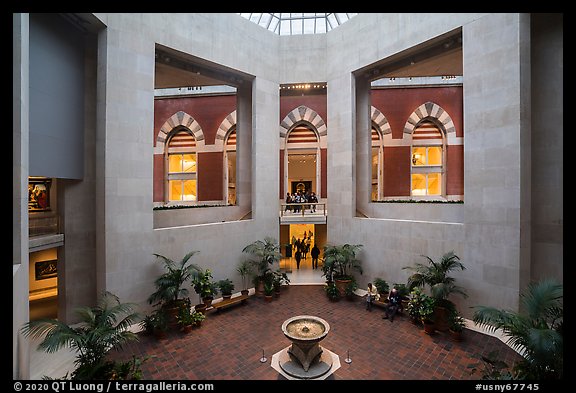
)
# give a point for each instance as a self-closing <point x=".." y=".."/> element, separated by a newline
<point x="303" y="209"/>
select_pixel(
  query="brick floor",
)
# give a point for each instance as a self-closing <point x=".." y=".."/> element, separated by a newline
<point x="229" y="344"/>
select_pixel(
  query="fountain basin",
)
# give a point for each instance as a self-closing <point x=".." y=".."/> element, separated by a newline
<point x="305" y="332"/>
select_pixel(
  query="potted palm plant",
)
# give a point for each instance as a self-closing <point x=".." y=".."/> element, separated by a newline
<point x="341" y="261"/>
<point x="537" y="331"/>
<point x="245" y="270"/>
<point x="435" y="275"/>
<point x="266" y="253"/>
<point x="170" y="289"/>
<point x="102" y="328"/>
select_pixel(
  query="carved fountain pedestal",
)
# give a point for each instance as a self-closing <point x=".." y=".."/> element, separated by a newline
<point x="305" y="358"/>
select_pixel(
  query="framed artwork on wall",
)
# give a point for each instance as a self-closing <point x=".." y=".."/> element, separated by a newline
<point x="45" y="269"/>
<point x="39" y="194"/>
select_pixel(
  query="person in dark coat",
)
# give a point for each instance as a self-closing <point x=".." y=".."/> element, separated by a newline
<point x="315" y="254"/>
<point x="298" y="257"/>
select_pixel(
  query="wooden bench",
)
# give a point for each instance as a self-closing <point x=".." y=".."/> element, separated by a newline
<point x="228" y="303"/>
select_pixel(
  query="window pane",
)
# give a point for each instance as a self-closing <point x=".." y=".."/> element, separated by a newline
<point x="418" y="184"/>
<point x="189" y="163"/>
<point x="418" y="156"/>
<point x="375" y="163"/>
<point x="435" y="155"/>
<point x="175" y="190"/>
<point x="189" y="193"/>
<point x="434" y="184"/>
<point x="174" y="163"/>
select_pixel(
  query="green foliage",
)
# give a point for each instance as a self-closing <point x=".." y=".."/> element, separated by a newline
<point x="456" y="321"/>
<point x="226" y="286"/>
<point x="170" y="285"/>
<point x="266" y="253"/>
<point x="101" y="328"/>
<point x="340" y="261"/>
<point x="350" y="289"/>
<point x="184" y="316"/>
<point x="332" y="291"/>
<point x="403" y="290"/>
<point x="245" y="269"/>
<point x="157" y="321"/>
<point x="279" y="278"/>
<point x="382" y="286"/>
<point x="204" y="285"/>
<point x="435" y="275"/>
<point x="415" y="303"/>
<point x="537" y="330"/>
<point x="268" y="287"/>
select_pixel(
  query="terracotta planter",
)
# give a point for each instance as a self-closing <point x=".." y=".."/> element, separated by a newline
<point x="441" y="319"/>
<point x="268" y="298"/>
<point x="207" y="301"/>
<point x="244" y="292"/>
<point x="201" y="307"/>
<point x="186" y="329"/>
<point x="341" y="284"/>
<point x="429" y="327"/>
<point x="226" y="296"/>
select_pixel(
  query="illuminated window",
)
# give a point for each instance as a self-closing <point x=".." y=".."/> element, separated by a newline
<point x="427" y="160"/>
<point x="182" y="167"/>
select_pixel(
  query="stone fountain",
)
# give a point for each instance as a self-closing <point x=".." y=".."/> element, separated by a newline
<point x="305" y="358"/>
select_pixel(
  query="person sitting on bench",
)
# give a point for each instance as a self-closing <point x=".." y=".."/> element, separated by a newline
<point x="393" y="304"/>
<point x="371" y="295"/>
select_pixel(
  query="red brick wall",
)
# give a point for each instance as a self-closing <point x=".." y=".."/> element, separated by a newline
<point x="314" y="102"/>
<point x="282" y="196"/>
<point x="398" y="104"/>
<point x="210" y="176"/>
<point x="158" y="178"/>
<point x="397" y="171"/>
<point x="323" y="173"/>
<point x="455" y="170"/>
<point x="209" y="112"/>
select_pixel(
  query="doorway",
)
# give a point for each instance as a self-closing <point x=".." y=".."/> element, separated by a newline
<point x="317" y="235"/>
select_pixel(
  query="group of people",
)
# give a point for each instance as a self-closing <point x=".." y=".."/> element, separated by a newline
<point x="391" y="307"/>
<point x="297" y="198"/>
<point x="302" y="248"/>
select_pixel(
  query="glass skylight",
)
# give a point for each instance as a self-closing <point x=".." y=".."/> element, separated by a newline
<point x="298" y="23"/>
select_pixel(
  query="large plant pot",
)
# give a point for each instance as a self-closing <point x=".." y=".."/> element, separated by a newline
<point x="341" y="284"/>
<point x="207" y="301"/>
<point x="260" y="289"/>
<point x="201" y="308"/>
<point x="172" y="312"/>
<point x="441" y="319"/>
<point x="429" y="327"/>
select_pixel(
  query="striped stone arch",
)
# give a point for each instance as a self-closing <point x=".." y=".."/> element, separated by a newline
<point x="303" y="114"/>
<point x="178" y="119"/>
<point x="434" y="111"/>
<point x="380" y="121"/>
<point x="228" y="122"/>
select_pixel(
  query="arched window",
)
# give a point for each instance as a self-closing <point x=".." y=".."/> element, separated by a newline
<point x="427" y="174"/>
<point x="182" y="165"/>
